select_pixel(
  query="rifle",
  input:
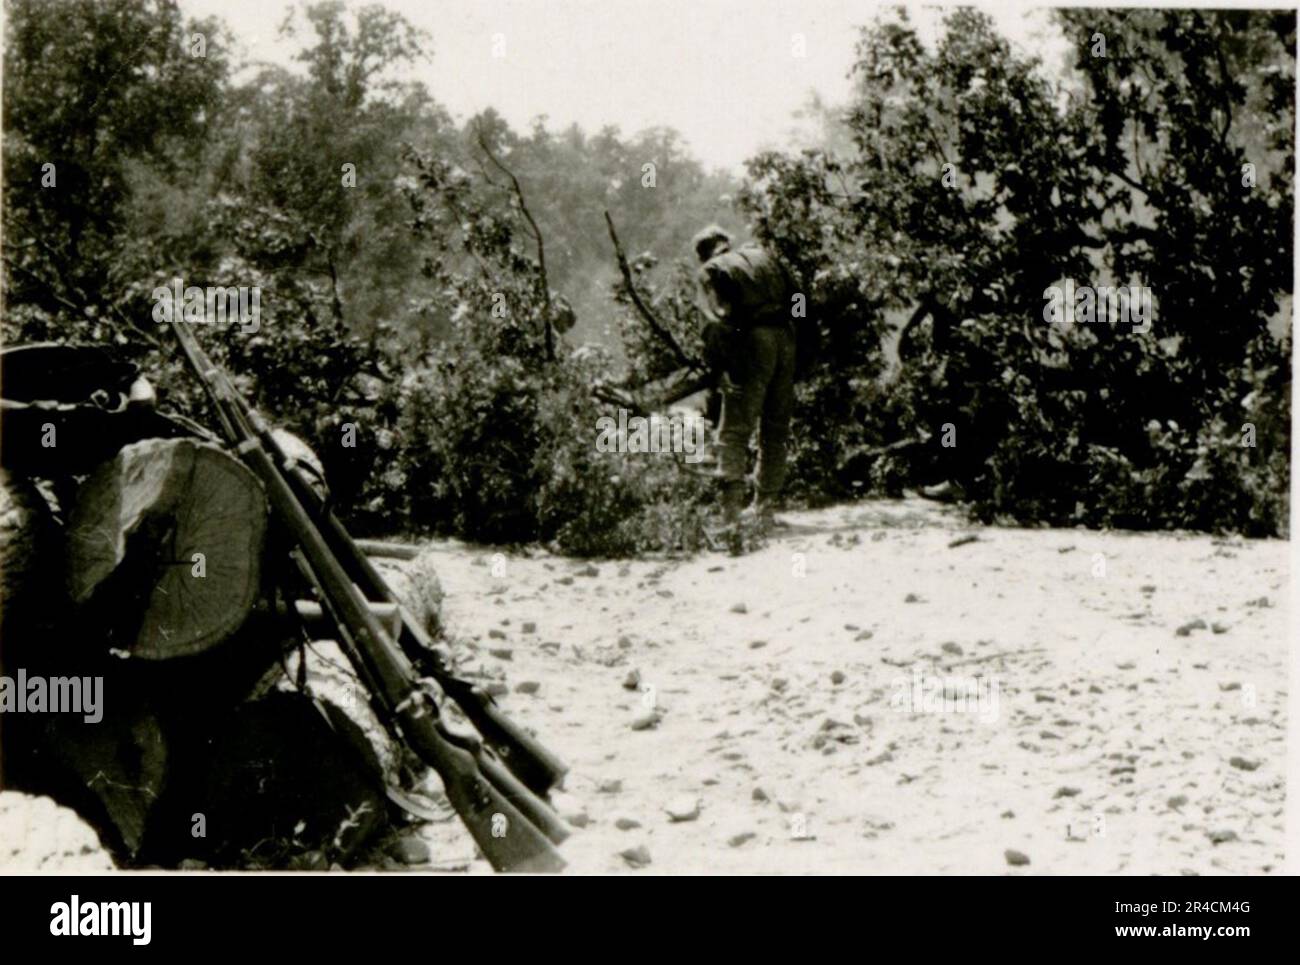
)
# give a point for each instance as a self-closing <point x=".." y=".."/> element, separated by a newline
<point x="514" y="828"/>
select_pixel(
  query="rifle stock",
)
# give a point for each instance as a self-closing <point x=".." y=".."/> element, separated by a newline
<point x="512" y="827"/>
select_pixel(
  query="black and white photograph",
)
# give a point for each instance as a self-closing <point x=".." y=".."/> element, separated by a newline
<point x="630" y="438"/>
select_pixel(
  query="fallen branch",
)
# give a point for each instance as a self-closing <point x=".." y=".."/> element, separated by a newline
<point x="655" y="325"/>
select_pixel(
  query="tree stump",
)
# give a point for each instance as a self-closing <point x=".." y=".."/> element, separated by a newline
<point x="165" y="546"/>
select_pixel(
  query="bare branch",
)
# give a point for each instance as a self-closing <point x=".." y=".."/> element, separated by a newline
<point x="542" y="282"/>
<point x="655" y="325"/>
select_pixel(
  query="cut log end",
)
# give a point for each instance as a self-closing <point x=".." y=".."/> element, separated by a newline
<point x="165" y="545"/>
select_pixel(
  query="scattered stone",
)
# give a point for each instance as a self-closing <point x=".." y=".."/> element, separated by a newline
<point x="626" y="823"/>
<point x="496" y="688"/>
<point x="496" y="634"/>
<point x="1218" y="627"/>
<point x="1226" y="688"/>
<point x="528" y="687"/>
<point x="1066" y="792"/>
<point x="1221" y="836"/>
<point x="1186" y="629"/>
<point x="529" y="627"/>
<point x="588" y="571"/>
<point x="837" y="677"/>
<point x="637" y="857"/>
<point x="565" y="581"/>
<point x="684" y="808"/>
<point x="1242" y="764"/>
<point x="911" y="598"/>
<point x="759" y="795"/>
<point x="647" y="720"/>
<point x="410" y="850"/>
<point x="757" y="644"/>
<point x="1177" y="801"/>
<point x="1147" y="588"/>
<point x="633" y="680"/>
<point x="953" y="648"/>
<point x="779" y="684"/>
<point x="502" y="653"/>
<point x="736" y="840"/>
<point x="612" y="786"/>
<point x="1016" y="858"/>
<point x="739" y="608"/>
<point x="625" y="642"/>
<point x="1007" y="815"/>
<point x="864" y="635"/>
<point x="963" y="540"/>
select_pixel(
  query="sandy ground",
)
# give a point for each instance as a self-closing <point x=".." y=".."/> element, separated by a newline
<point x="1096" y="737"/>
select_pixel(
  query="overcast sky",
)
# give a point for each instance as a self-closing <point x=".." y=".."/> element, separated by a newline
<point x="725" y="73"/>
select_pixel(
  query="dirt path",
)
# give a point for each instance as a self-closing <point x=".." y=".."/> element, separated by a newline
<point x="1094" y="737"/>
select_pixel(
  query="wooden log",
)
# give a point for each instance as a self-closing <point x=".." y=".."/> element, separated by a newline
<point x="388" y="551"/>
<point x="415" y="584"/>
<point x="164" y="548"/>
<point x="29" y="552"/>
<point x="313" y="616"/>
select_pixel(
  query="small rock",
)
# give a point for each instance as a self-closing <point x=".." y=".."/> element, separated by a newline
<point x="911" y="598"/>
<point x="685" y="808"/>
<point x="1219" y="627"/>
<point x="625" y="643"/>
<point x="759" y="795"/>
<point x="1066" y="792"/>
<point x="588" y="571"/>
<point x="495" y="688"/>
<point x="610" y="787"/>
<point x="410" y="850"/>
<point x="528" y="687"/>
<point x="757" y="644"/>
<point x="953" y="648"/>
<point x="502" y="653"/>
<point x="1016" y="858"/>
<point x="632" y="681"/>
<point x="637" y="857"/>
<point x="647" y="720"/>
<point x="565" y="581"/>
<point x="1221" y="836"/>
<point x="626" y="823"/>
<point x="864" y="635"/>
<point x="1241" y="764"/>
<point x="529" y="627"/>
<point x="1177" y="801"/>
<point x="736" y="840"/>
<point x="1186" y="629"/>
<point x="837" y="677"/>
<point x="496" y="634"/>
<point x="739" y="608"/>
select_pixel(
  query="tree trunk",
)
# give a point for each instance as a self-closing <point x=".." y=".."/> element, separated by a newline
<point x="165" y="546"/>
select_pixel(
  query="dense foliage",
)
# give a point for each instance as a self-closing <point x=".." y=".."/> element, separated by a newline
<point x="438" y="297"/>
